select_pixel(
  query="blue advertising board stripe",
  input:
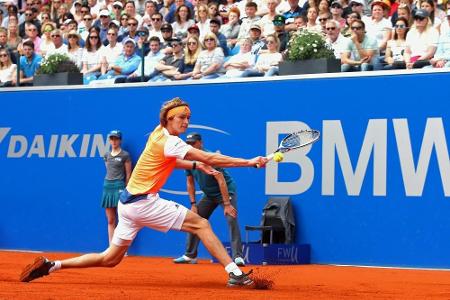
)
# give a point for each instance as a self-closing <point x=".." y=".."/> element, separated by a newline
<point x="373" y="191"/>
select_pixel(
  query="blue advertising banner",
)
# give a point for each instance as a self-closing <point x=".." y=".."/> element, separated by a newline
<point x="373" y="191"/>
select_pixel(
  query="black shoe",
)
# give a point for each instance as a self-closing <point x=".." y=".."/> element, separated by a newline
<point x="241" y="280"/>
<point x="37" y="269"/>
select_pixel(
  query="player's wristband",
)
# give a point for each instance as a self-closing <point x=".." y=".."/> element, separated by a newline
<point x="194" y="165"/>
<point x="193" y="203"/>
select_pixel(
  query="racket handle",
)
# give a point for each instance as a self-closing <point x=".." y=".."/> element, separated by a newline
<point x="269" y="157"/>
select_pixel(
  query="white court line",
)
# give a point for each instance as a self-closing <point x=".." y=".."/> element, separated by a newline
<point x="393" y="267"/>
<point x="21" y="250"/>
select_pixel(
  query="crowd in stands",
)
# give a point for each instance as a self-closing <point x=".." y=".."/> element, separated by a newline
<point x="204" y="39"/>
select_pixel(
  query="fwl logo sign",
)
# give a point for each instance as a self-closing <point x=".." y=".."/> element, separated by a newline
<point x="53" y="146"/>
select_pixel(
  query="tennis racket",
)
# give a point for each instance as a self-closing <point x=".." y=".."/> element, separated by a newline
<point x="296" y="140"/>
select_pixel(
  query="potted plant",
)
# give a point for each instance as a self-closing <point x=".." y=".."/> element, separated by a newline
<point x="58" y="69"/>
<point x="309" y="53"/>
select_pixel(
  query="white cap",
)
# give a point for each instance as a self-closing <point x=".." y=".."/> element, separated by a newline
<point x="357" y="1"/>
<point x="104" y="12"/>
<point x="129" y="40"/>
<point x="118" y="3"/>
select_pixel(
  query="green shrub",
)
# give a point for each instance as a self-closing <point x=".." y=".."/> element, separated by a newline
<point x="57" y="63"/>
<point x="307" y="44"/>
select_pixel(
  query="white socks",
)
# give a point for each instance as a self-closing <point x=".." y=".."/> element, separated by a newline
<point x="56" y="267"/>
<point x="233" y="268"/>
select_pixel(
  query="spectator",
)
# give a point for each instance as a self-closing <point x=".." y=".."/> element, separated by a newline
<point x="377" y="26"/>
<point x="255" y="36"/>
<point x="123" y="24"/>
<point x="266" y="21"/>
<point x="445" y="26"/>
<point x="32" y="34"/>
<point x="130" y="9"/>
<point x="54" y="8"/>
<point x="151" y="60"/>
<point x="214" y="26"/>
<point x="210" y="60"/>
<point x="193" y="30"/>
<point x="126" y="63"/>
<point x="150" y="10"/>
<point x="132" y="27"/>
<point x="404" y="11"/>
<point x="361" y="50"/>
<point x="76" y="10"/>
<point x="8" y="70"/>
<point x="13" y="36"/>
<point x="182" y="22"/>
<point x="170" y="65"/>
<point x="396" y="46"/>
<point x="167" y="34"/>
<point x="191" y="53"/>
<point x="29" y="18"/>
<point x="29" y="63"/>
<point x="347" y="31"/>
<point x="323" y="18"/>
<point x="111" y="52"/>
<point x="156" y="21"/>
<point x="249" y="21"/>
<point x="324" y="6"/>
<point x="213" y="12"/>
<point x="430" y="7"/>
<point x="280" y="32"/>
<point x="116" y="10"/>
<point x="294" y="11"/>
<point x="87" y="23"/>
<point x="268" y="61"/>
<point x="44" y="17"/>
<point x="311" y="17"/>
<point x="103" y="24"/>
<point x="239" y="63"/>
<point x="224" y="10"/>
<point x="202" y="20"/>
<point x="58" y="46"/>
<point x="143" y="44"/>
<point x="74" y="51"/>
<point x="357" y="7"/>
<point x="85" y="11"/>
<point x="442" y="57"/>
<point x="118" y="172"/>
<point x="336" y="13"/>
<point x="299" y="22"/>
<point x="231" y="29"/>
<point x="335" y="39"/>
<point x="217" y="190"/>
<point x="169" y="17"/>
<point x="421" y="41"/>
<point x="92" y="57"/>
<point x="12" y="16"/>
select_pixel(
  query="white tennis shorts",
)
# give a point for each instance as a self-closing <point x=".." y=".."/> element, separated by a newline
<point x="153" y="212"/>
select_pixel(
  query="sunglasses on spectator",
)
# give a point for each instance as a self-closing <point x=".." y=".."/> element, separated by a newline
<point x="356" y="27"/>
<point x="72" y="37"/>
<point x="419" y="18"/>
<point x="28" y="15"/>
<point x="209" y="40"/>
<point x="93" y="37"/>
<point x="330" y="28"/>
<point x="117" y="7"/>
<point x="323" y="19"/>
<point x="141" y="33"/>
<point x="112" y="33"/>
<point x="132" y="24"/>
<point x="124" y="19"/>
<point x="336" y="6"/>
<point x="166" y="30"/>
<point x="356" y="4"/>
<point x="3" y="55"/>
<point x="156" y="19"/>
<point x="104" y="16"/>
<point x="400" y="26"/>
<point x="175" y="44"/>
<point x="192" y="43"/>
<point x="87" y="19"/>
<point x="55" y="35"/>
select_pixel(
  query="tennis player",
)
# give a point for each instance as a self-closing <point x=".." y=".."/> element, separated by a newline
<point x="140" y="205"/>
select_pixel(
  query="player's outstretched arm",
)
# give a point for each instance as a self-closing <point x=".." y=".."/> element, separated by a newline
<point x="220" y="160"/>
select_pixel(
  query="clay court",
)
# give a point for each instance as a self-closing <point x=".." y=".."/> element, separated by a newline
<point x="159" y="278"/>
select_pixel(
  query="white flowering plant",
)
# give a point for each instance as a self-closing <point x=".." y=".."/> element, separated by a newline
<point x="305" y="44"/>
<point x="57" y="63"/>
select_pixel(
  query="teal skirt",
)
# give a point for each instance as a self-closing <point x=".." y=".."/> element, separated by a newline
<point x="111" y="192"/>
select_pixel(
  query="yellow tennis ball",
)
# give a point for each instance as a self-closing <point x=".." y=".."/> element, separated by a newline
<point x="278" y="157"/>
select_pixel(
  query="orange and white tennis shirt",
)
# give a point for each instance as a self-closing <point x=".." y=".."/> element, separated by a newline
<point x="156" y="162"/>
